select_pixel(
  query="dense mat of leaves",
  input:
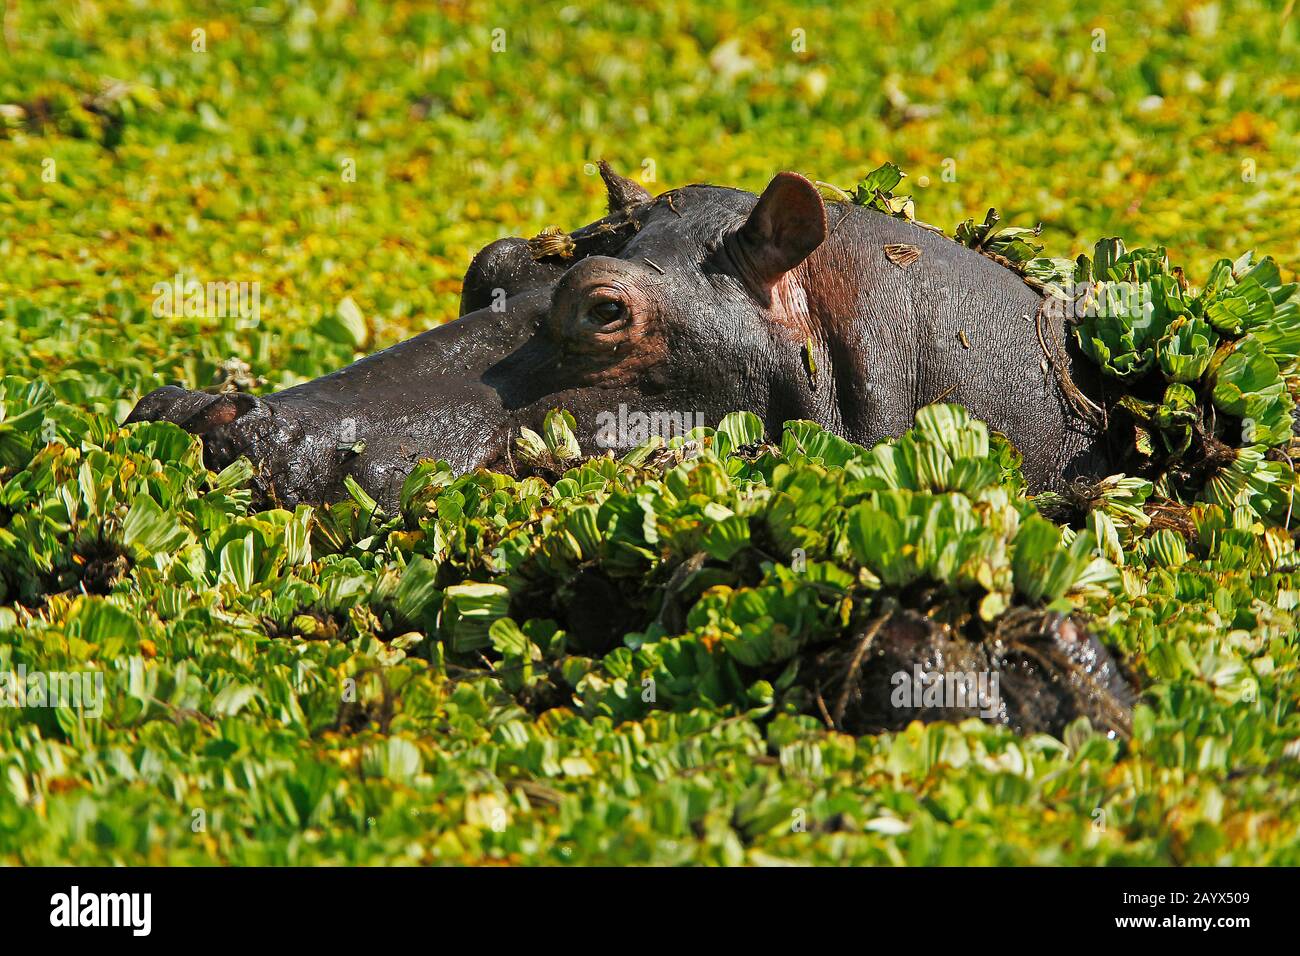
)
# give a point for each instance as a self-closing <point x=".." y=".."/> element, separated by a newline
<point x="347" y="686"/>
<point x="1204" y="377"/>
<point x="1218" y="362"/>
<point x="351" y="686"/>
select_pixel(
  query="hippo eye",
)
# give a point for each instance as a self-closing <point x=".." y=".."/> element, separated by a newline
<point x="607" y="312"/>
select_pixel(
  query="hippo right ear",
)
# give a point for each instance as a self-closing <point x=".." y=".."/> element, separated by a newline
<point x="788" y="223"/>
<point x="624" y="194"/>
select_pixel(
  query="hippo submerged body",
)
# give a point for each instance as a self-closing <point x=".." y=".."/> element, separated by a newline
<point x="702" y="301"/>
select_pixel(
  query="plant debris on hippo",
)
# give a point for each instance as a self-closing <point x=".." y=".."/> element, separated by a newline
<point x="699" y="302"/>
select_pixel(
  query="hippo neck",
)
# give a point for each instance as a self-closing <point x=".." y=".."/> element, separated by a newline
<point x="898" y="317"/>
<point x="869" y="254"/>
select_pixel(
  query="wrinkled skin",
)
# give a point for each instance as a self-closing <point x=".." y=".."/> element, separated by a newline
<point x="703" y="301"/>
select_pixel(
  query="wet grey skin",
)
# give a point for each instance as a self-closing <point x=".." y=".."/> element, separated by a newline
<point x="702" y="301"/>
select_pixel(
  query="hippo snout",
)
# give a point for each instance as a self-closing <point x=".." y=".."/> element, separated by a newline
<point x="300" y="451"/>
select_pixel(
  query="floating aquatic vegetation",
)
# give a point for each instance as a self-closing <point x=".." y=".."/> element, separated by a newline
<point x="316" y="717"/>
<point x="1223" y="422"/>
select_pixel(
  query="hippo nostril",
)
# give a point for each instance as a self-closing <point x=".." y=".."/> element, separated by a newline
<point x="196" y="412"/>
<point x="223" y="410"/>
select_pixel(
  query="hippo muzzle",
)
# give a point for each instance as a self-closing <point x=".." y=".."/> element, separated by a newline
<point x="427" y="397"/>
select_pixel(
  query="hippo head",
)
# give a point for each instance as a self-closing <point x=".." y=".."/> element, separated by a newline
<point x="672" y="311"/>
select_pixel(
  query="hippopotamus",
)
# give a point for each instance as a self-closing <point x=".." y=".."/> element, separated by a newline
<point x="698" y="302"/>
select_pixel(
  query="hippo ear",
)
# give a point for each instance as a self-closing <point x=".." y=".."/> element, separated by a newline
<point x="788" y="223"/>
<point x="623" y="193"/>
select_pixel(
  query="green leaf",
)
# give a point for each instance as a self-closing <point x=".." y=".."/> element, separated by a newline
<point x="346" y="325"/>
<point x="558" y="432"/>
<point x="736" y="431"/>
<point x="469" y="610"/>
<point x="148" y="530"/>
